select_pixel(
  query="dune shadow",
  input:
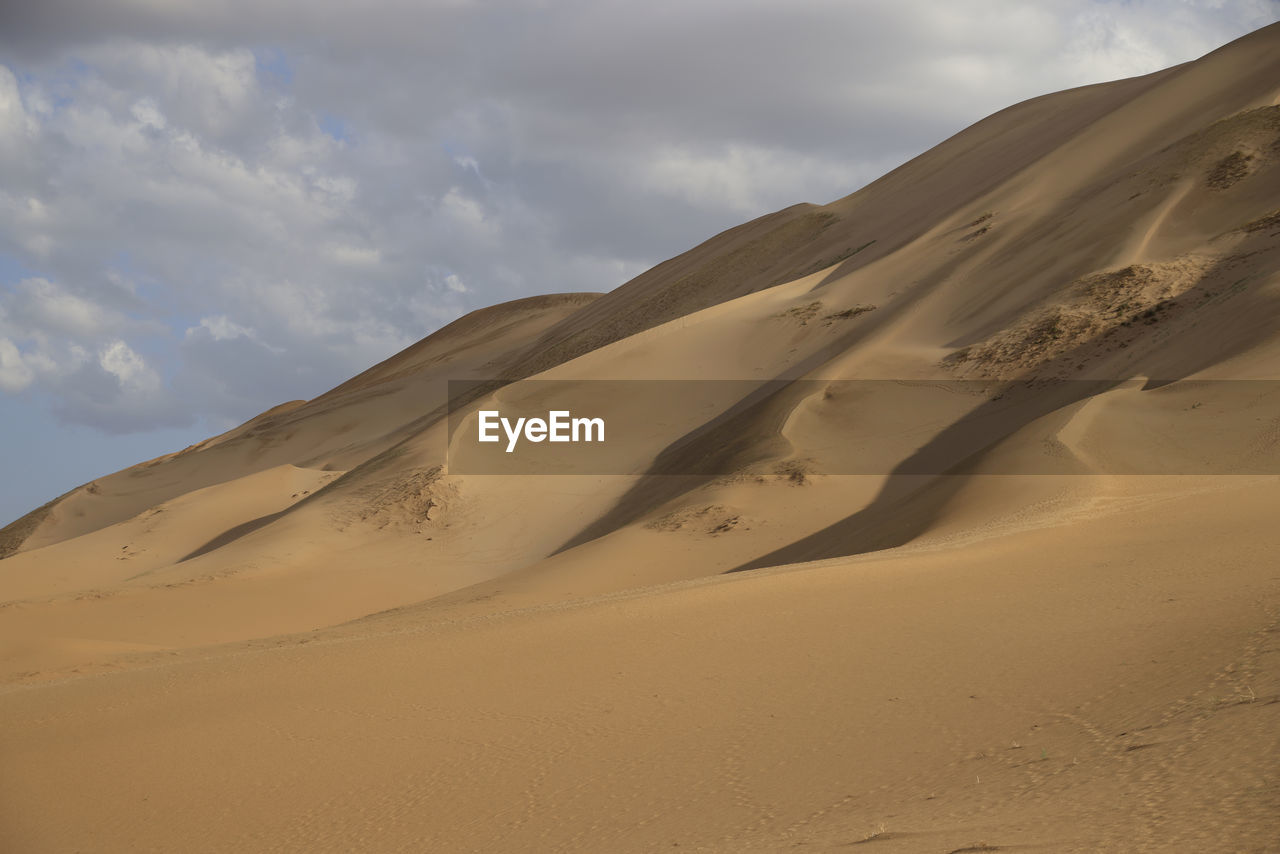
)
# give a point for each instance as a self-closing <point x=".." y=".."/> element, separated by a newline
<point x="919" y="488"/>
<point x="232" y="534"/>
<point x="727" y="443"/>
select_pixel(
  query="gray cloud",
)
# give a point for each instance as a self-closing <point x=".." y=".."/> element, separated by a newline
<point x="209" y="208"/>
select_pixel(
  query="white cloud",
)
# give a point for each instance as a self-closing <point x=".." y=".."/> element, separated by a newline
<point x="15" y="374"/>
<point x="740" y="178"/>
<point x="356" y="256"/>
<point x="135" y="376"/>
<point x="48" y="309"/>
<point x="15" y="123"/>
<point x="36" y="212"/>
<point x="333" y="189"/>
<point x="211" y="93"/>
<point x="464" y="211"/>
<point x="221" y="328"/>
<point x="148" y="114"/>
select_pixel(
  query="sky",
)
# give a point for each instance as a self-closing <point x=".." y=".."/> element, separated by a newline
<point x="207" y="209"/>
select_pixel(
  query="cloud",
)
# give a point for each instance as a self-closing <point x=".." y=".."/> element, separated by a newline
<point x="15" y="373"/>
<point x="221" y="328"/>
<point x="47" y="309"/>
<point x="133" y="375"/>
<point x="215" y="207"/>
<point x="71" y="349"/>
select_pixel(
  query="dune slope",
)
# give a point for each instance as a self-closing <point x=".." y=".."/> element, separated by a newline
<point x="953" y="533"/>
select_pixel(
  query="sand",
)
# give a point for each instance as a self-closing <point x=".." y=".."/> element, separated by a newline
<point x="1048" y="622"/>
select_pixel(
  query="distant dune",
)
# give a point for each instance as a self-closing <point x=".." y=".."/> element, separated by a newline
<point x="1045" y="619"/>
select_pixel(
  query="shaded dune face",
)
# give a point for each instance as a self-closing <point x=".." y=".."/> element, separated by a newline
<point x="955" y="529"/>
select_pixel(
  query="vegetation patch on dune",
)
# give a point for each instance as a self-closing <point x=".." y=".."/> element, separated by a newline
<point x="796" y="472"/>
<point x="979" y="226"/>
<point x="1271" y="220"/>
<point x="847" y="314"/>
<point x="1229" y="170"/>
<point x="1224" y="153"/>
<point x="710" y="519"/>
<point x="1094" y="307"/>
<point x="805" y="313"/>
<point x="406" y="502"/>
<point x="801" y="313"/>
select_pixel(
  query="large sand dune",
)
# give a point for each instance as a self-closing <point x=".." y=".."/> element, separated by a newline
<point x="831" y="597"/>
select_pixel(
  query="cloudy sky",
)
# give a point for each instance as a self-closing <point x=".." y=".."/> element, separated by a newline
<point x="210" y="208"/>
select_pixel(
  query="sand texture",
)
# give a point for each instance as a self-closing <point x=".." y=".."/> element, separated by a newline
<point x="1048" y="622"/>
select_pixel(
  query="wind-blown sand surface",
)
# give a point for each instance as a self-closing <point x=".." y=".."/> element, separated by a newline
<point x="312" y="634"/>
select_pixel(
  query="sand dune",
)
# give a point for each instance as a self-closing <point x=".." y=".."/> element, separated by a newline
<point x="947" y="527"/>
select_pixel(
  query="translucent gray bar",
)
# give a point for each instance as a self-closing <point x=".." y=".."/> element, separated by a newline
<point x="799" y="428"/>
